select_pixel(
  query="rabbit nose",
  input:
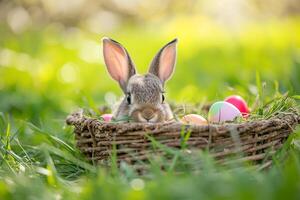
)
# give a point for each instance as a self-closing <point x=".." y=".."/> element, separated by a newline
<point x="148" y="113"/>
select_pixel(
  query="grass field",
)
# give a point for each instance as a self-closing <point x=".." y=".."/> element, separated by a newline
<point x="47" y="73"/>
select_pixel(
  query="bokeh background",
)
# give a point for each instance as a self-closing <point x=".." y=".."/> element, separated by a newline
<point x="51" y="60"/>
<point x="51" y="64"/>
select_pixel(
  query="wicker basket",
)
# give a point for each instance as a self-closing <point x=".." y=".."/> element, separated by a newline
<point x="257" y="140"/>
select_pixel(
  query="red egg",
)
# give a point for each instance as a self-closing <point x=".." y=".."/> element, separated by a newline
<point x="239" y="103"/>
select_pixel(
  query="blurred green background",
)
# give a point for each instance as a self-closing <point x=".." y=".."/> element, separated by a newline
<point x="51" y="64"/>
<point x="51" y="60"/>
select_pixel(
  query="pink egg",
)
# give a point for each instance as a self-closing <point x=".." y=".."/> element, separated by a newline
<point x="194" y="119"/>
<point x="107" y="117"/>
<point x="239" y="103"/>
<point x="223" y="111"/>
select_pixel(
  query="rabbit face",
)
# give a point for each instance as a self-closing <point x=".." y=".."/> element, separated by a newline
<point x="144" y="94"/>
<point x="145" y="98"/>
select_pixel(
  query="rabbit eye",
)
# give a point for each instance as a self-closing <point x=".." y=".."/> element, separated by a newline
<point x="163" y="98"/>
<point x="128" y="99"/>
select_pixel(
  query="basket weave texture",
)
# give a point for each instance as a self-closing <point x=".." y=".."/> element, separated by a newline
<point x="257" y="140"/>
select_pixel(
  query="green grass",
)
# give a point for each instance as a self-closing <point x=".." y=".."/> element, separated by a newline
<point x="48" y="73"/>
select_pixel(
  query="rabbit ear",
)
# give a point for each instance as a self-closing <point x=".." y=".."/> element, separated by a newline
<point x="118" y="62"/>
<point x="164" y="62"/>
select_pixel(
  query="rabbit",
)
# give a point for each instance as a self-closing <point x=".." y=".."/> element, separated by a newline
<point x="144" y="99"/>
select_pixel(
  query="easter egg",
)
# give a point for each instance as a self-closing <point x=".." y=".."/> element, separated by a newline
<point x="239" y="103"/>
<point x="222" y="111"/>
<point x="194" y="119"/>
<point x="107" y="117"/>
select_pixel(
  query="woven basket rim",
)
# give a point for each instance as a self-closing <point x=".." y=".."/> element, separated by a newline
<point x="75" y="119"/>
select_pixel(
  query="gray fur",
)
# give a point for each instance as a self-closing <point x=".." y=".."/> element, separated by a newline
<point x="145" y="88"/>
<point x="146" y="95"/>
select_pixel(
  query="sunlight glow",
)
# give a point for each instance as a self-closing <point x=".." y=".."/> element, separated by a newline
<point x="68" y="73"/>
<point x="137" y="184"/>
